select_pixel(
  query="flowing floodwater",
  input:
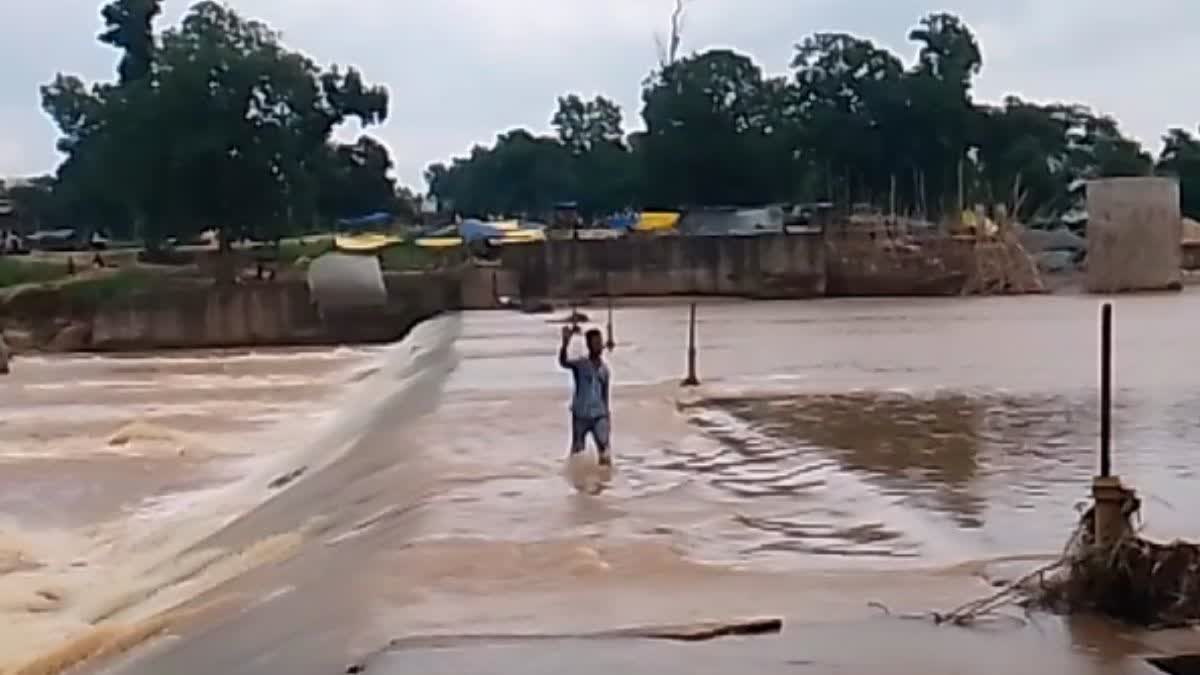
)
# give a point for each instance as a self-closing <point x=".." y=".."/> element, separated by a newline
<point x="285" y="511"/>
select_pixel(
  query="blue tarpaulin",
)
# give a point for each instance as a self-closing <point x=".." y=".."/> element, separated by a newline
<point x="622" y="221"/>
<point x="473" y="230"/>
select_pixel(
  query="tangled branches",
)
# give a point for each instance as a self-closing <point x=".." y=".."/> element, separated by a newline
<point x="1132" y="580"/>
<point x="986" y="607"/>
<point x="1137" y="581"/>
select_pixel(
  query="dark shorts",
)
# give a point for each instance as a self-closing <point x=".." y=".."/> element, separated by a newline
<point x="598" y="427"/>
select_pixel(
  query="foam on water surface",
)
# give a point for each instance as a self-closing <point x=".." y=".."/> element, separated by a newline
<point x="105" y="584"/>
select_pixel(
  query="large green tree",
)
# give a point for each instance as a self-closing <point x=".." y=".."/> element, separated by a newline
<point x="1021" y="157"/>
<point x="709" y="136"/>
<point x="354" y="180"/>
<point x="852" y="124"/>
<point x="605" y="175"/>
<point x="129" y="26"/>
<point x="215" y="124"/>
<point x="522" y="174"/>
<point x="38" y="204"/>
<point x="1180" y="157"/>
<point x="850" y="99"/>
<point x="585" y="125"/>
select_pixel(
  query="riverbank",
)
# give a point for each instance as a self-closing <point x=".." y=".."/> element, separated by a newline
<point x="137" y="311"/>
<point x="140" y="307"/>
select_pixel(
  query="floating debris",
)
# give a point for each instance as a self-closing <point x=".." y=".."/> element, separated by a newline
<point x="1135" y="580"/>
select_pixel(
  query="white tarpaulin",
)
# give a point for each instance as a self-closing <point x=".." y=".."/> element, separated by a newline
<point x="337" y="281"/>
<point x="717" y="222"/>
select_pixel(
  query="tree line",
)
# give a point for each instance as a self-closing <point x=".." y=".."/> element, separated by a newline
<point x="849" y="123"/>
<point x="211" y="124"/>
<point x="215" y="124"/>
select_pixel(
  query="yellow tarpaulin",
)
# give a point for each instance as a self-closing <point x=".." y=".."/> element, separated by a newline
<point x="654" y="221"/>
<point x="522" y="236"/>
<point x="366" y="242"/>
<point x="978" y="225"/>
<point x="439" y="242"/>
<point x="511" y="236"/>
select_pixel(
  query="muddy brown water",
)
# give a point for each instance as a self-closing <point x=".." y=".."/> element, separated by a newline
<point x="910" y="452"/>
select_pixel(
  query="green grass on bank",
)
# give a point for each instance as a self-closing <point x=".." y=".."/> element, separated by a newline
<point x="399" y="258"/>
<point x="18" y="271"/>
<point x="85" y="290"/>
<point x="410" y="257"/>
<point x="111" y="288"/>
<point x="292" y="251"/>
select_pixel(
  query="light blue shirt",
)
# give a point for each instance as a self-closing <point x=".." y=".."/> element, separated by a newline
<point x="591" y="388"/>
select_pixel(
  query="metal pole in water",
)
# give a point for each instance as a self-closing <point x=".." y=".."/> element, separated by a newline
<point x="691" y="380"/>
<point x="612" y="341"/>
<point x="1106" y="390"/>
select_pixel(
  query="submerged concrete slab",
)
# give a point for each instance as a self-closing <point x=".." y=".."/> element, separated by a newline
<point x="883" y="647"/>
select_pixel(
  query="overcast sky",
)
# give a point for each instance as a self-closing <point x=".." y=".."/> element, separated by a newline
<point x="460" y="71"/>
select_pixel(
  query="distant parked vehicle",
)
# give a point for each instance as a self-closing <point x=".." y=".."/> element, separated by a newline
<point x="64" y="239"/>
<point x="11" y="243"/>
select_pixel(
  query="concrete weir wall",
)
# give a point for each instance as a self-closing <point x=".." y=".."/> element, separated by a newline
<point x="766" y="266"/>
<point x="1134" y="233"/>
<point x="207" y="317"/>
<point x="270" y="314"/>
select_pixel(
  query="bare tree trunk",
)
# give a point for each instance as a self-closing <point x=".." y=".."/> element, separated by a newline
<point x="892" y="199"/>
<point x="676" y="31"/>
<point x="924" y="207"/>
<point x="962" y="203"/>
<point x="224" y="271"/>
<point x="1018" y="198"/>
<point x="668" y="53"/>
<point x="915" y="205"/>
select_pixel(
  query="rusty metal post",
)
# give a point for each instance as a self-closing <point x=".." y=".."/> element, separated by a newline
<point x="691" y="380"/>
<point x="1106" y="316"/>
<point x="612" y="340"/>
<point x="1109" y="494"/>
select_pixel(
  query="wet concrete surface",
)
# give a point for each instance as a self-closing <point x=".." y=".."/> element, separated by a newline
<point x="878" y="647"/>
<point x="838" y="453"/>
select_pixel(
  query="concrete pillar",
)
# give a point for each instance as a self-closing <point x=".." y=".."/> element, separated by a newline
<point x="339" y="282"/>
<point x="1134" y="237"/>
<point x="1111" y="522"/>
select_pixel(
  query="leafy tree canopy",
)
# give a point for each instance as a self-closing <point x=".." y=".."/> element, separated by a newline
<point x="213" y="124"/>
<point x="851" y="123"/>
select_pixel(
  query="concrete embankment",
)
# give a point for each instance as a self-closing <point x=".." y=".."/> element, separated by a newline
<point x="767" y="266"/>
<point x="182" y="316"/>
<point x="199" y="315"/>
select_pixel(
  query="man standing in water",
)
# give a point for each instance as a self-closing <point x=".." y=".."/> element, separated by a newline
<point x="589" y="405"/>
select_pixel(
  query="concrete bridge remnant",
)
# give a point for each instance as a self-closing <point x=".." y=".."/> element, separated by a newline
<point x="1135" y="227"/>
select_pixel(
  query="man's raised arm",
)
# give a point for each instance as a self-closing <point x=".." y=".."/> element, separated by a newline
<point x="563" y="361"/>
